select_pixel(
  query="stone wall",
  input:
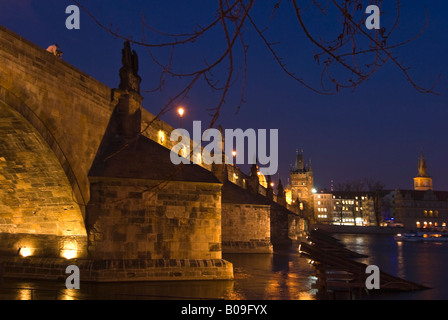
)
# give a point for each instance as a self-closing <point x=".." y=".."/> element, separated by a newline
<point x="246" y="228"/>
<point x="37" y="208"/>
<point x="142" y="219"/>
<point x="69" y="108"/>
<point x="119" y="270"/>
<point x="286" y="227"/>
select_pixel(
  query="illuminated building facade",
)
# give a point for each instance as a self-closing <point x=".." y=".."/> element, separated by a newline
<point x="418" y="209"/>
<point x="345" y="208"/>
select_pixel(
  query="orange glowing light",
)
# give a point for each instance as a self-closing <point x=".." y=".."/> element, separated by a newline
<point x="25" y="252"/>
<point x="70" y="250"/>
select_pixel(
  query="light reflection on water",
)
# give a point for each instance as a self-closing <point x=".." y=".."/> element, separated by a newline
<point x="284" y="276"/>
<point x="280" y="276"/>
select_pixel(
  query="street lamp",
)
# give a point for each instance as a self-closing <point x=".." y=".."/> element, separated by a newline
<point x="181" y="112"/>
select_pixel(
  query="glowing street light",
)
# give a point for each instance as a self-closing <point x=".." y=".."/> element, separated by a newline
<point x="181" y="112"/>
<point x="234" y="157"/>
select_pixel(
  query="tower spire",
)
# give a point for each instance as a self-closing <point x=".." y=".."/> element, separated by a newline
<point x="299" y="164"/>
<point x="422" y="168"/>
<point x="422" y="181"/>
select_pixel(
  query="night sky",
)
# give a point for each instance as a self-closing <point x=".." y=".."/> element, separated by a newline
<point x="376" y="131"/>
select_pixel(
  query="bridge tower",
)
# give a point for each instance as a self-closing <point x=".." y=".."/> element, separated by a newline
<point x="302" y="184"/>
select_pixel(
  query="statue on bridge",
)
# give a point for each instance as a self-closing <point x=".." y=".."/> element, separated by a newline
<point x="129" y="78"/>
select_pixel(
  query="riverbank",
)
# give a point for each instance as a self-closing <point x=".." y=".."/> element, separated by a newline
<point x="358" y="229"/>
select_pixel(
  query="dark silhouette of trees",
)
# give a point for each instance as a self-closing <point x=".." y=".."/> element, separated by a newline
<point x="348" y="55"/>
<point x="360" y="185"/>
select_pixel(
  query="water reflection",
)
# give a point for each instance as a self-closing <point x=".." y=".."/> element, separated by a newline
<point x="25" y="294"/>
<point x="400" y="260"/>
<point x="422" y="262"/>
<point x="279" y="276"/>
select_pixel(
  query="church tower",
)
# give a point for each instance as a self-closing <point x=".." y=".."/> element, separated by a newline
<point x="422" y="181"/>
<point x="302" y="184"/>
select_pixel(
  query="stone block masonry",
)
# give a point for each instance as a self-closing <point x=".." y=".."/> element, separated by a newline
<point x="37" y="207"/>
<point x="128" y="214"/>
<point x="246" y="228"/>
<point x="68" y="108"/>
<point x="44" y="173"/>
<point x="119" y="270"/>
<point x="142" y="219"/>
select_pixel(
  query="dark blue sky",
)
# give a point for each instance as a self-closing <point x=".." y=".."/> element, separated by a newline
<point x="376" y="131"/>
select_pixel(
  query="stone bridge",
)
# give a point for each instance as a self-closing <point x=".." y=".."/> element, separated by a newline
<point x="63" y="197"/>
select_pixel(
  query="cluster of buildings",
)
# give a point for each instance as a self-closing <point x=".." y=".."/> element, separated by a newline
<point x="419" y="208"/>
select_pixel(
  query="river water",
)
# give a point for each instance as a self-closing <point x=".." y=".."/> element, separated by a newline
<point x="279" y="276"/>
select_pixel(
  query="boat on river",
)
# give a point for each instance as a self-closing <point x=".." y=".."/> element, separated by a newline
<point x="422" y="236"/>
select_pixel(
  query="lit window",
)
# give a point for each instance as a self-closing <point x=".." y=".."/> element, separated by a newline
<point x="430" y="213"/>
<point x="425" y="213"/>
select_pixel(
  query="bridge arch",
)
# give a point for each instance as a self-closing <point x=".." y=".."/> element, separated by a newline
<point x="68" y="108"/>
<point x="38" y="210"/>
<point x="8" y="98"/>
